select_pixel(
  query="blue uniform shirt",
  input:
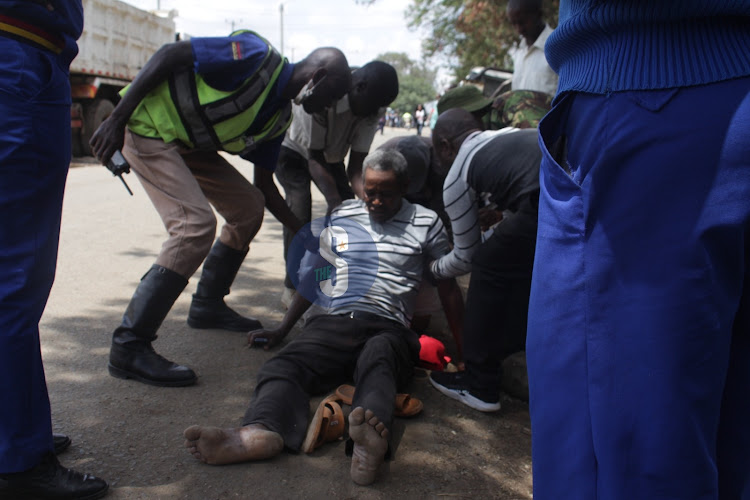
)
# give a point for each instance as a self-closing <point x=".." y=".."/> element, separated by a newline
<point x="225" y="63"/>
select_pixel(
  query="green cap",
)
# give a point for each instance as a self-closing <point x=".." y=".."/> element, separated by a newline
<point x="467" y="97"/>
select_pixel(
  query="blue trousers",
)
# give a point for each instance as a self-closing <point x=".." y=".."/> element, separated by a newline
<point x="34" y="159"/>
<point x="638" y="343"/>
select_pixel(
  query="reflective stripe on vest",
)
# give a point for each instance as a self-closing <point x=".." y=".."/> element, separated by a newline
<point x="200" y="120"/>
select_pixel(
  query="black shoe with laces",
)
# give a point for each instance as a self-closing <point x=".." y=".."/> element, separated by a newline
<point x="138" y="360"/>
<point x="50" y="480"/>
<point x="455" y="385"/>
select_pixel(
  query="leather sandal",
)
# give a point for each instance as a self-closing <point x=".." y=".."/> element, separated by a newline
<point x="327" y="425"/>
<point x="404" y="405"/>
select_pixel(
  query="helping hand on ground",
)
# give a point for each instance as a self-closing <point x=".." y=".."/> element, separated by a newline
<point x="265" y="338"/>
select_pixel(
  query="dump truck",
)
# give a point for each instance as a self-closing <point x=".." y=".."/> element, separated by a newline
<point x="117" y="40"/>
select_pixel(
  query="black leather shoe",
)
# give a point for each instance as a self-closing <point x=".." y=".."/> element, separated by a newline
<point x="50" y="480"/>
<point x="139" y="361"/>
<point x="60" y="443"/>
<point x="214" y="313"/>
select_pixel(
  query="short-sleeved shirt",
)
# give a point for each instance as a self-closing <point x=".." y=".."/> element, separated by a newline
<point x="333" y="131"/>
<point x="503" y="163"/>
<point x="530" y="68"/>
<point x="405" y="244"/>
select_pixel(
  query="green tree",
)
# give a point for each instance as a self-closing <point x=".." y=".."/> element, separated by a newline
<point x="468" y="33"/>
<point x="415" y="81"/>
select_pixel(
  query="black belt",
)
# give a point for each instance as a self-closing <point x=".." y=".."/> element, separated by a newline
<point x="27" y="33"/>
<point x="368" y="316"/>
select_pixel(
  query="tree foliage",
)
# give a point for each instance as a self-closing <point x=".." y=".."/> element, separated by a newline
<point x="415" y="81"/>
<point x="468" y="33"/>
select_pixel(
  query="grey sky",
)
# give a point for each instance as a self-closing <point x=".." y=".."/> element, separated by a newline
<point x="362" y="32"/>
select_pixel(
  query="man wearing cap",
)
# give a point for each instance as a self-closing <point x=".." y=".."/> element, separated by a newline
<point x="514" y="108"/>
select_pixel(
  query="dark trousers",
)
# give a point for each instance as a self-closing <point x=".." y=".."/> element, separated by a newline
<point x="294" y="176"/>
<point x="379" y="356"/>
<point x="497" y="301"/>
<point x="34" y="159"/>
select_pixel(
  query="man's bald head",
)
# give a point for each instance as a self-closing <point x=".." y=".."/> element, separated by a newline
<point x="450" y="131"/>
<point x="374" y="85"/>
<point x="323" y="77"/>
<point x="334" y="62"/>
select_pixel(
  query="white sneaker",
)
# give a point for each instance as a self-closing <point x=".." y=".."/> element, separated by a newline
<point x="455" y="387"/>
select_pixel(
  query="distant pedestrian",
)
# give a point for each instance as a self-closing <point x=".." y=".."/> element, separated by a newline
<point x="419" y="118"/>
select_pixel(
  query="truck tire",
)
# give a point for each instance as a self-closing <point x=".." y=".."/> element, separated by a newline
<point x="94" y="114"/>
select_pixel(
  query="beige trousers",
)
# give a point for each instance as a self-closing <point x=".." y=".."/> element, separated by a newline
<point x="183" y="185"/>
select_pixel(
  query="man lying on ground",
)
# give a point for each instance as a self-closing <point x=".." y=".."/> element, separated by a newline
<point x="380" y="247"/>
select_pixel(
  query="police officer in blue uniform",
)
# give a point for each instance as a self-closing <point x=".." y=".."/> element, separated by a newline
<point x="37" y="44"/>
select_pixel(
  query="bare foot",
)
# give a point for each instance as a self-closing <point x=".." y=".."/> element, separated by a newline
<point x="370" y="444"/>
<point x="215" y="446"/>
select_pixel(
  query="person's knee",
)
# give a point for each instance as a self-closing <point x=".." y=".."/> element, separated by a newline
<point x="199" y="239"/>
<point x="249" y="215"/>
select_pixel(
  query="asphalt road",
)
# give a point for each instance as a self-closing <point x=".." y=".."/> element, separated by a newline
<point x="131" y="434"/>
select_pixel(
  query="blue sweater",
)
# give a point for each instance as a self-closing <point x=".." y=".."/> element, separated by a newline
<point x="603" y="46"/>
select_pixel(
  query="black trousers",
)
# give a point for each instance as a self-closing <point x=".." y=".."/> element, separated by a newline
<point x="378" y="356"/>
<point x="294" y="176"/>
<point x="497" y="301"/>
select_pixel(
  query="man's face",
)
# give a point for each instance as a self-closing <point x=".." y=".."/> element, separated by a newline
<point x="446" y="153"/>
<point x="525" y="23"/>
<point x="383" y="194"/>
<point x="360" y="102"/>
<point x="324" y="95"/>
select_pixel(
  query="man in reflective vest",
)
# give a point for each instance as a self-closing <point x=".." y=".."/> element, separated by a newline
<point x="191" y="100"/>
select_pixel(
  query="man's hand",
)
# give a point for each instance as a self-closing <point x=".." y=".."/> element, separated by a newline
<point x="108" y="138"/>
<point x="488" y="217"/>
<point x="266" y="338"/>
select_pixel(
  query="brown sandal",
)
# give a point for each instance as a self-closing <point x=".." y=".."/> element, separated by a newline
<point x="327" y="425"/>
<point x="404" y="405"/>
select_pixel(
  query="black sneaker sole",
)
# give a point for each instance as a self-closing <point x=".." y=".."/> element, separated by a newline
<point x="124" y="374"/>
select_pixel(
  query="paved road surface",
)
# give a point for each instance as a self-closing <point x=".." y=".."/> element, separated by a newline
<point x="131" y="434"/>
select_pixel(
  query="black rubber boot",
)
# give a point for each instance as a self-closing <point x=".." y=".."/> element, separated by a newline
<point x="208" y="309"/>
<point x="49" y="479"/>
<point x="132" y="355"/>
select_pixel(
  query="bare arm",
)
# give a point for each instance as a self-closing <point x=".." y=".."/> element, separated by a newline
<point x="354" y="172"/>
<point x="323" y="179"/>
<point x="274" y="202"/>
<point x="110" y="135"/>
<point x="274" y="336"/>
<point x="453" y="306"/>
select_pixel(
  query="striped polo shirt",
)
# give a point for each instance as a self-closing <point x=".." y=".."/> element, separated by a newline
<point x="405" y="245"/>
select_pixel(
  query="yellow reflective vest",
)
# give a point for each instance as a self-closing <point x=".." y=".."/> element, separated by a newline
<point x="185" y="108"/>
